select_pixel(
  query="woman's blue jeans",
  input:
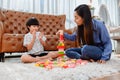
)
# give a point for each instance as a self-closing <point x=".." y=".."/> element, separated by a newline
<point x="86" y="52"/>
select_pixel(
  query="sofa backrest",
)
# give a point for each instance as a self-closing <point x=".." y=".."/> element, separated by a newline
<point x="14" y="22"/>
<point x="14" y="28"/>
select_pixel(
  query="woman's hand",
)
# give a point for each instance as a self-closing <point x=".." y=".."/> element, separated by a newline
<point x="101" y="61"/>
<point x="59" y="32"/>
<point x="91" y="60"/>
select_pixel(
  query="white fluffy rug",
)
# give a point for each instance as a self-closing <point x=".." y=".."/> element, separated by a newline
<point x="20" y="71"/>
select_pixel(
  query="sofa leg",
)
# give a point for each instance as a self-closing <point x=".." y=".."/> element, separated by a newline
<point x="2" y="57"/>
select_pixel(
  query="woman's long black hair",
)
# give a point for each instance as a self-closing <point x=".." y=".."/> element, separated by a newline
<point x="85" y="31"/>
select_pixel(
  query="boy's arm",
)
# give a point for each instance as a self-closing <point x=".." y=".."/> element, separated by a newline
<point x="42" y="39"/>
<point x="30" y="45"/>
<point x="42" y="42"/>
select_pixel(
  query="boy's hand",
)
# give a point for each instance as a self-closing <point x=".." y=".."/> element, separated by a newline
<point x="41" y="35"/>
<point x="41" y="40"/>
<point x="34" y="34"/>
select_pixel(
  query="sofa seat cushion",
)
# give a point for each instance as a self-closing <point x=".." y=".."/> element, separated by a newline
<point x="51" y="42"/>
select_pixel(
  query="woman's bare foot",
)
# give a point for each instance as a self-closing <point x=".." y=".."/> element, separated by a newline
<point x="91" y="60"/>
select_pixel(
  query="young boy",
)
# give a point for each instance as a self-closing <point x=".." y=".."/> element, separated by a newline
<point x="34" y="41"/>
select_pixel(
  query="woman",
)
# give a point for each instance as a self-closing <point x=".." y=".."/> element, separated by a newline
<point x="92" y="34"/>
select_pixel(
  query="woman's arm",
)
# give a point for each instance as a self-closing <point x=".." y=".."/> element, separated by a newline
<point x="71" y="37"/>
<point x="106" y="42"/>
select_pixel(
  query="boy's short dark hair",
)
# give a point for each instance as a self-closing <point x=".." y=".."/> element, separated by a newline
<point x="32" y="21"/>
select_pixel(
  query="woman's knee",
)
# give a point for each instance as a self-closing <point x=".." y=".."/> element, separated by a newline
<point x="68" y="50"/>
<point x="85" y="52"/>
<point x="72" y="54"/>
<point x="89" y="52"/>
<point x="84" y="49"/>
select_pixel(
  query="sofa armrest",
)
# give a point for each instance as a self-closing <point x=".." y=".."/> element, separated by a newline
<point x="2" y="16"/>
<point x="115" y="30"/>
<point x="1" y="33"/>
<point x="13" y="43"/>
<point x="115" y="33"/>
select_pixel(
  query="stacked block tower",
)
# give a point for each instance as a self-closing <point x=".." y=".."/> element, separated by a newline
<point x="61" y="46"/>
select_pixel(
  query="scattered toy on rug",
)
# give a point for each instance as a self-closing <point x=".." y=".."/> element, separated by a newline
<point x="60" y="62"/>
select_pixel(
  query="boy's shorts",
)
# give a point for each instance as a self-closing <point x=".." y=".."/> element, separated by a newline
<point x="41" y="54"/>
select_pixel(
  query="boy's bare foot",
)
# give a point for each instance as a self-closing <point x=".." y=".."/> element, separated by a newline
<point x="43" y="59"/>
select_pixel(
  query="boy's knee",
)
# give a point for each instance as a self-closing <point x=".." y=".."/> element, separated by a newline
<point x="23" y="58"/>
